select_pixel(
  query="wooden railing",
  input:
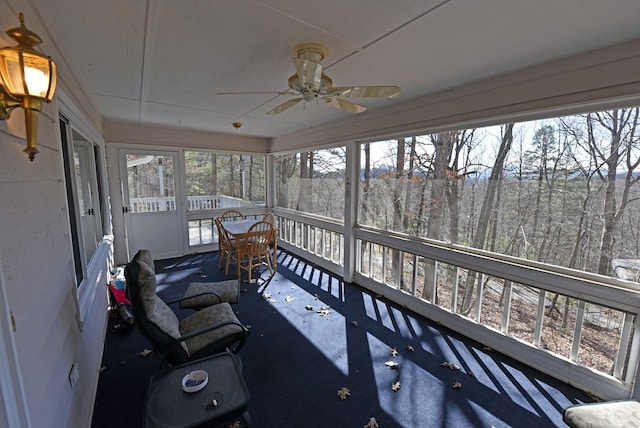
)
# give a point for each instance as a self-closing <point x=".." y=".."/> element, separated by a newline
<point x="194" y="203"/>
<point x="579" y="327"/>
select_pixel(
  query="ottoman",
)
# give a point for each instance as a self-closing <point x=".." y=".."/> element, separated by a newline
<point x="203" y="294"/>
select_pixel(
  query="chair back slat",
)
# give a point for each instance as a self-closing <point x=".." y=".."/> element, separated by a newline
<point x="232" y="215"/>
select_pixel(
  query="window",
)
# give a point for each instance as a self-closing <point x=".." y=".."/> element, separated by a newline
<point x="84" y="197"/>
<point x="312" y="182"/>
<point x="220" y="181"/>
<point x="224" y="181"/>
<point x="562" y="191"/>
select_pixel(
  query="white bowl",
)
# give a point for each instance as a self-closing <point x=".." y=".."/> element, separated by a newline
<point x="195" y="381"/>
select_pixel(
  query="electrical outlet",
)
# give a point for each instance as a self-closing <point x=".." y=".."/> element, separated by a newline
<point x="74" y="375"/>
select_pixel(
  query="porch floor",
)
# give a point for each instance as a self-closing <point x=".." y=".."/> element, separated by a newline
<point x="298" y="356"/>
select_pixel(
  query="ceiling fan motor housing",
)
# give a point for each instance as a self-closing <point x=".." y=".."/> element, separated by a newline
<point x="325" y="84"/>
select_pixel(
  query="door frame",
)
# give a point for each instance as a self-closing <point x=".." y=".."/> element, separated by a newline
<point x="179" y="247"/>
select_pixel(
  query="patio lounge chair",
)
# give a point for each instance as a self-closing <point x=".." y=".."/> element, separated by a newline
<point x="209" y="331"/>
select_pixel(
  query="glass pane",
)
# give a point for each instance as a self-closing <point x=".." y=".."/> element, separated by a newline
<point x="312" y="182"/>
<point x="530" y="190"/>
<point x="151" y="183"/>
<point x="224" y="181"/>
<point x="201" y="232"/>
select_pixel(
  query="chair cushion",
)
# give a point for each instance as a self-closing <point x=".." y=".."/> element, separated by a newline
<point x="227" y="290"/>
<point x="601" y="415"/>
<point x="156" y="310"/>
<point x="146" y="276"/>
<point x="221" y="338"/>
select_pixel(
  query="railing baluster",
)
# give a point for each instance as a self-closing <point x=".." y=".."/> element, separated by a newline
<point x="454" y="290"/>
<point x="506" y="311"/>
<point x="623" y="346"/>
<point x="577" y="333"/>
<point x="479" y="293"/>
<point x="542" y="296"/>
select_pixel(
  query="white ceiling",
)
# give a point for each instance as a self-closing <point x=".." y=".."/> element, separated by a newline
<point x="162" y="62"/>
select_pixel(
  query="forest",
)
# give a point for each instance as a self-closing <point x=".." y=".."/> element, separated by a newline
<point x="561" y="191"/>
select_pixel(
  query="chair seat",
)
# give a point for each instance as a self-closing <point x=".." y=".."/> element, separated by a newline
<point x="210" y="293"/>
<point x="625" y="413"/>
<point x="213" y="341"/>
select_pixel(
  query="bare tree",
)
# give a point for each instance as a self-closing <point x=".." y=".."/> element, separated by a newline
<point x="487" y="206"/>
<point x="618" y="154"/>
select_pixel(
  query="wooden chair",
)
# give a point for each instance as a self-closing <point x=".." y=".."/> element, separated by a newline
<point x="270" y="218"/>
<point x="226" y="247"/>
<point x="254" y="248"/>
<point x="232" y="215"/>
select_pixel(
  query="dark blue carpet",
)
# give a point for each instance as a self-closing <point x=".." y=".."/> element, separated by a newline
<point x="297" y="359"/>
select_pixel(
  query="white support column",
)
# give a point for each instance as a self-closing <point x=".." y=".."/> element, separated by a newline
<point x="351" y="186"/>
<point x="270" y="191"/>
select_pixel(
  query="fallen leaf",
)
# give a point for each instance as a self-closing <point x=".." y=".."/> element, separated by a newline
<point x="372" y="423"/>
<point x="204" y="276"/>
<point x="410" y="348"/>
<point x="392" y="365"/>
<point x="355" y="323"/>
<point x="236" y="424"/>
<point x="266" y="296"/>
<point x="103" y="368"/>
<point x="457" y="385"/>
<point x="395" y="387"/>
<point x="289" y="299"/>
<point x="308" y="307"/>
<point x="394" y="351"/>
<point x="316" y="296"/>
<point x="145" y="352"/>
<point x="450" y="365"/>
<point x="470" y="374"/>
<point x="324" y="311"/>
<point x="344" y="392"/>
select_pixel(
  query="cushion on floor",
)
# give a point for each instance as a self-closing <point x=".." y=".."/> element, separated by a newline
<point x="600" y="415"/>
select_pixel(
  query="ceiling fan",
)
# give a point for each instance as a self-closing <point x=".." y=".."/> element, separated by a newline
<point x="311" y="84"/>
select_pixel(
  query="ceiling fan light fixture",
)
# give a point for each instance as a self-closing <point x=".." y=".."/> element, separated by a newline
<point x="309" y="96"/>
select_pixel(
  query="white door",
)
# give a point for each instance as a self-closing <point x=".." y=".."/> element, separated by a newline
<point x="151" y="202"/>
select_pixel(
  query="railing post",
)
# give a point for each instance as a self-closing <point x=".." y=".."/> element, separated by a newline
<point x="351" y="186"/>
<point x="271" y="198"/>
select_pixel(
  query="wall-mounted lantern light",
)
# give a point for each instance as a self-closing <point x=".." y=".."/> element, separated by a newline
<point x="27" y="78"/>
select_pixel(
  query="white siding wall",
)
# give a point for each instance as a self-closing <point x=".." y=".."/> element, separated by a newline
<point x="50" y="334"/>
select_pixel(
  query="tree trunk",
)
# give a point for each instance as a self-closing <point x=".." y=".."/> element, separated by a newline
<point x="397" y="205"/>
<point x="485" y="211"/>
<point x="443" y="143"/>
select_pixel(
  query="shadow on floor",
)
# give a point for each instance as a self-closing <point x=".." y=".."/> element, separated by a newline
<point x="312" y="335"/>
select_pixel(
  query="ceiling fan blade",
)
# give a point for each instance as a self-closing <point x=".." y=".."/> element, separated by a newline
<point x="344" y="104"/>
<point x="258" y="92"/>
<point x="309" y="72"/>
<point x="282" y="107"/>
<point x="366" y="91"/>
